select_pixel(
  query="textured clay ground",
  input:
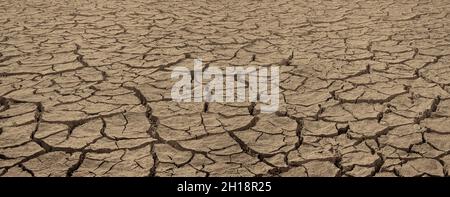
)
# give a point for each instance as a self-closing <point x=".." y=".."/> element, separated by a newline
<point x="85" y="88"/>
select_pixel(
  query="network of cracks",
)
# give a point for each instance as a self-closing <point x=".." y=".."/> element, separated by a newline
<point x="85" y="88"/>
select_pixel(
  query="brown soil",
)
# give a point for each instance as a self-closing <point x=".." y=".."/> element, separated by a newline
<point x="85" y="88"/>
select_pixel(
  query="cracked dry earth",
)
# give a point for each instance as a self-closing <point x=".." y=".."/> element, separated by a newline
<point x="85" y="88"/>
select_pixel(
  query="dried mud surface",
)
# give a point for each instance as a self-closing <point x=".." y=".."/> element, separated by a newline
<point x="85" y="88"/>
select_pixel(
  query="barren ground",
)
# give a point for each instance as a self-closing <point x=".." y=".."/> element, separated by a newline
<point x="85" y="88"/>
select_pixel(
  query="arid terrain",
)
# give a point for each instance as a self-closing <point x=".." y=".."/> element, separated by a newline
<point x="85" y="88"/>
